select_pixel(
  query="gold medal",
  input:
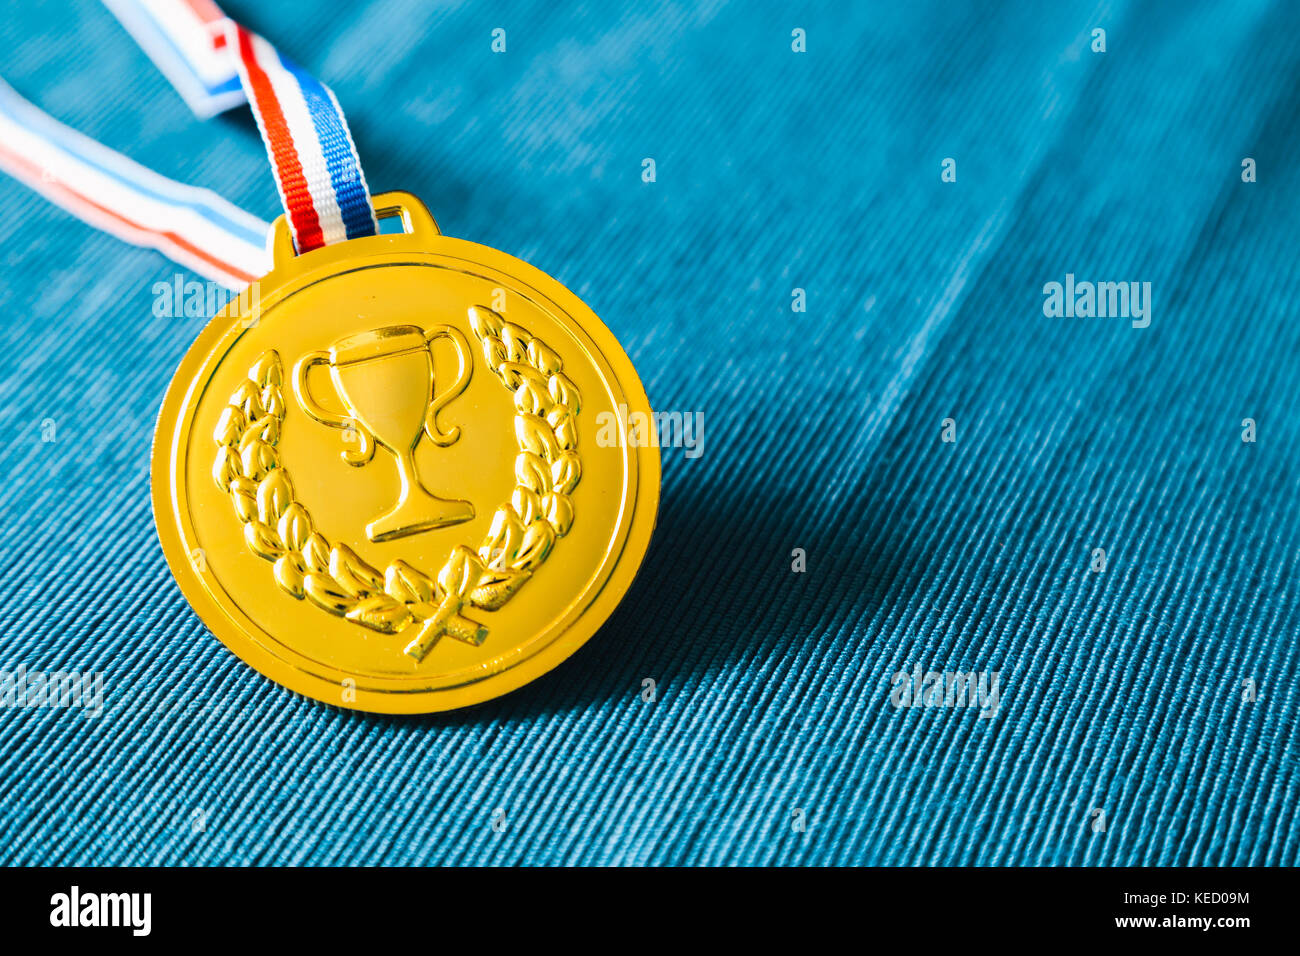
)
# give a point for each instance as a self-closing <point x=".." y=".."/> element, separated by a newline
<point x="383" y="488"/>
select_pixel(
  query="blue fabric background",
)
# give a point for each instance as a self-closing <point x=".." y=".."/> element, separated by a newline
<point x="1120" y="690"/>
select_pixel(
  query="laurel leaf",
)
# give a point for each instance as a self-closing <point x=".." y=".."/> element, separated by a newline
<point x="381" y="613"/>
<point x="565" y="427"/>
<point x="531" y="397"/>
<point x="406" y="584"/>
<point x="460" y="572"/>
<point x="248" y="397"/>
<point x="535" y="436"/>
<point x="273" y="402"/>
<point x="503" y="538"/>
<point x="514" y="374"/>
<point x="266" y="429"/>
<point x="258" y="459"/>
<point x="542" y="357"/>
<point x="244" y="493"/>
<point x="515" y="340"/>
<point x="558" y="510"/>
<point x="225" y="468"/>
<point x="565" y="472"/>
<point x="262" y="540"/>
<point x="539" y="537"/>
<point x="295" y="526"/>
<point x="563" y="392"/>
<point x="324" y="593"/>
<point x="532" y="473"/>
<point x="230" y="426"/>
<point x="267" y="370"/>
<point x="494" y="354"/>
<point x="289" y="575"/>
<point x="243" y="391"/>
<point x="558" y="415"/>
<point x="527" y="504"/>
<point x="486" y="323"/>
<point x="566" y="435"/>
<point x="352" y="573"/>
<point x="496" y="587"/>
<point x="316" y="553"/>
<point x="455" y="572"/>
<point x="274" y="496"/>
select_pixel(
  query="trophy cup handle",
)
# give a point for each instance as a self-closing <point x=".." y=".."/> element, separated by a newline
<point x="323" y="415"/>
<point x="463" y="373"/>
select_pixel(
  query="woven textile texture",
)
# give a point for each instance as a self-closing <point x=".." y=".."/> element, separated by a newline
<point x="952" y="461"/>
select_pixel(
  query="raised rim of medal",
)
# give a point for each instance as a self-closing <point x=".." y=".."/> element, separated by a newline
<point x="571" y="630"/>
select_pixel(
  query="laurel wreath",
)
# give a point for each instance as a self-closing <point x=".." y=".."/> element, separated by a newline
<point x="524" y="529"/>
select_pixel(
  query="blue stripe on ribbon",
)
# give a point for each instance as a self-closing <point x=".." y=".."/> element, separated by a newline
<point x="340" y="159"/>
<point x="162" y="36"/>
<point x="55" y="132"/>
<point x="230" y="86"/>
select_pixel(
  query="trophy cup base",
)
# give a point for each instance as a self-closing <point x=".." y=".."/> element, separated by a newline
<point x="419" y="511"/>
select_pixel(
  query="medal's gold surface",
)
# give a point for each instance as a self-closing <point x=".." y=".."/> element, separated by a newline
<point x="383" y="487"/>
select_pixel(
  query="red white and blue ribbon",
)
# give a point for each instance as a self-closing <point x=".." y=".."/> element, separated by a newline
<point x="202" y="51"/>
<point x="314" y="158"/>
<point x="192" y="226"/>
<point x="215" y="64"/>
<point x="186" y="39"/>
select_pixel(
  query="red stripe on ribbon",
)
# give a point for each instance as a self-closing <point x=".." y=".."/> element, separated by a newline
<point x="171" y="237"/>
<point x="293" y="184"/>
<point x="206" y="10"/>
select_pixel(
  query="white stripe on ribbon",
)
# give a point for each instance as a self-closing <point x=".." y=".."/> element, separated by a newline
<point x="186" y="41"/>
<point x="306" y="141"/>
<point x="193" y="226"/>
<point x="196" y="45"/>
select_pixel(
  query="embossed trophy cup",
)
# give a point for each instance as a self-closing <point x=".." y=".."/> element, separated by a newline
<point x="385" y="380"/>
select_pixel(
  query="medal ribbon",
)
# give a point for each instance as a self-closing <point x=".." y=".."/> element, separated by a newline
<point x="192" y="226"/>
<point x="312" y="153"/>
<point x="215" y="64"/>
